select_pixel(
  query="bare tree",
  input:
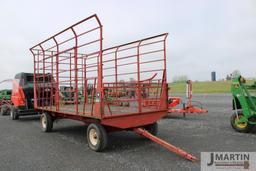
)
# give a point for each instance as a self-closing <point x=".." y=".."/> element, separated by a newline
<point x="228" y="77"/>
<point x="235" y="73"/>
<point x="181" y="78"/>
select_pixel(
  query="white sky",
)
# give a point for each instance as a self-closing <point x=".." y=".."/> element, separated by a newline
<point x="204" y="35"/>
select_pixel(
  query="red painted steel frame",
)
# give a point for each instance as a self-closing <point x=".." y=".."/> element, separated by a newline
<point x="165" y="144"/>
<point x="5" y="102"/>
<point x="188" y="108"/>
<point x="75" y="78"/>
<point x="79" y="83"/>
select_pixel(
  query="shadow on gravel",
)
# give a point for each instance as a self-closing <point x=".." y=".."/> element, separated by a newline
<point x="193" y="116"/>
<point x="126" y="140"/>
<point x="69" y="130"/>
<point x="169" y="116"/>
<point x="121" y="140"/>
<point x="29" y="118"/>
<point x="254" y="130"/>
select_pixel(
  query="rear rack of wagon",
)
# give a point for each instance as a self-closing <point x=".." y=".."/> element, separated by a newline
<point x="105" y="88"/>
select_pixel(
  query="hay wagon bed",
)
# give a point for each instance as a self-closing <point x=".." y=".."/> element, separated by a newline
<point x="109" y="89"/>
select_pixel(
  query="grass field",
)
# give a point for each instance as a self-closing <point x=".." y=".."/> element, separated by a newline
<point x="202" y="87"/>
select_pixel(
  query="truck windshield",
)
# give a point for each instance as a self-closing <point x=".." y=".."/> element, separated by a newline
<point x="30" y="79"/>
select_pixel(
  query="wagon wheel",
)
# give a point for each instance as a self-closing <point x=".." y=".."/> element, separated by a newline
<point x="46" y="122"/>
<point x="13" y="113"/>
<point x="97" y="137"/>
<point x="5" y="110"/>
<point x="244" y="127"/>
<point x="152" y="128"/>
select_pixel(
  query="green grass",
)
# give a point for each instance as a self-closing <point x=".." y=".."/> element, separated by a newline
<point x="202" y="87"/>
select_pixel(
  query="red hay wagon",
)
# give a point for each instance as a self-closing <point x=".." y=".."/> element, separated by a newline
<point x="105" y="88"/>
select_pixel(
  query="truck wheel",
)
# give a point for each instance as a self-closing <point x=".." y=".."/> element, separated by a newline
<point x="46" y="122"/>
<point x="13" y="113"/>
<point x="5" y="110"/>
<point x="97" y="137"/>
<point x="241" y="127"/>
<point x="152" y="128"/>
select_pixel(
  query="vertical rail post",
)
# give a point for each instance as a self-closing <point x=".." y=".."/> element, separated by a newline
<point x="51" y="79"/>
<point x="85" y="84"/>
<point x="99" y="109"/>
<point x="70" y="77"/>
<point x="138" y="79"/>
<point x="189" y="92"/>
<point x="116" y="79"/>
<point x="34" y="78"/>
<point x="92" y="94"/>
<point x="76" y="70"/>
<point x="38" y="85"/>
<point x="82" y="77"/>
<point x="57" y="76"/>
<point x="164" y="88"/>
<point x="100" y="82"/>
<point x="43" y="86"/>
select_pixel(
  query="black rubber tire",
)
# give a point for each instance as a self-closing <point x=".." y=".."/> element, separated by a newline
<point x="46" y="122"/>
<point x="5" y="110"/>
<point x="2" y="111"/>
<point x="152" y="128"/>
<point x="246" y="129"/>
<point x="13" y="113"/>
<point x="101" y="137"/>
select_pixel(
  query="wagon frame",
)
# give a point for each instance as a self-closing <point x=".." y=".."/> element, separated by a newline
<point x="110" y="101"/>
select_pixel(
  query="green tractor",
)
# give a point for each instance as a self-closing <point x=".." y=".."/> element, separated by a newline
<point x="244" y="105"/>
<point x="5" y="101"/>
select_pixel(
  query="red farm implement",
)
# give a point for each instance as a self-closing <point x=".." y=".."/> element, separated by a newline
<point x="5" y="98"/>
<point x="107" y="87"/>
<point x="188" y="107"/>
<point x="5" y="106"/>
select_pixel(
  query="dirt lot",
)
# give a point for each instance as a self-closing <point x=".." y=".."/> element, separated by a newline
<point x="24" y="147"/>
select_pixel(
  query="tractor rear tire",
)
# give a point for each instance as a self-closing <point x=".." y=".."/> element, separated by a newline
<point x="46" y="122"/>
<point x="97" y="137"/>
<point x="152" y="128"/>
<point x="13" y="113"/>
<point x="242" y="127"/>
<point x="5" y="110"/>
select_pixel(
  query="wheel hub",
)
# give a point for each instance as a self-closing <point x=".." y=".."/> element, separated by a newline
<point x="43" y="121"/>
<point x="93" y="136"/>
<point x="240" y="125"/>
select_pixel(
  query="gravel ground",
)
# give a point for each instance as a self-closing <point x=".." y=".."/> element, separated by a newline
<point x="24" y="147"/>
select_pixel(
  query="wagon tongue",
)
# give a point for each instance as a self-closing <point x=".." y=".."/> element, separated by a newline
<point x="165" y="144"/>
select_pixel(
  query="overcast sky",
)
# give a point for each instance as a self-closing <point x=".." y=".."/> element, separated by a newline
<point x="204" y="36"/>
